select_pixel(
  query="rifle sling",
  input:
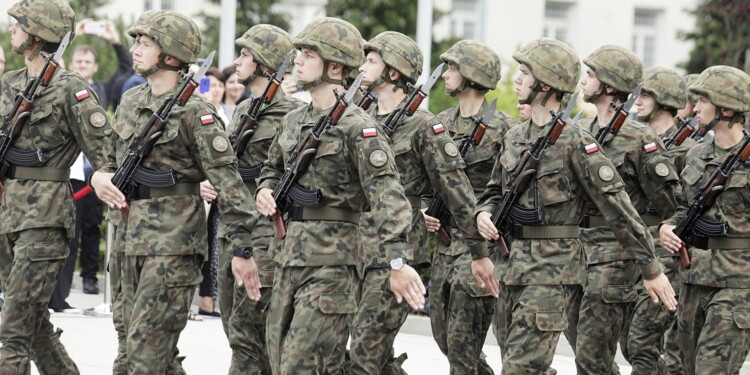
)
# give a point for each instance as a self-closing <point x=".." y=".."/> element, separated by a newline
<point x="545" y="231"/>
<point x="147" y="192"/>
<point x="38" y="173"/>
<point x="299" y="213"/>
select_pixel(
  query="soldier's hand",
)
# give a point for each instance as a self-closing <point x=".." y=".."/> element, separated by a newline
<point x="245" y="273"/>
<point x="482" y="269"/>
<point x="433" y="224"/>
<point x="106" y="191"/>
<point x="660" y="290"/>
<point x="407" y="285"/>
<point x="208" y="193"/>
<point x="264" y="202"/>
<point x="485" y="226"/>
<point x="668" y="239"/>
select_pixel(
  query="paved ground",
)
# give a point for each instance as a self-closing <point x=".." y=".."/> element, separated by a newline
<point x="92" y="344"/>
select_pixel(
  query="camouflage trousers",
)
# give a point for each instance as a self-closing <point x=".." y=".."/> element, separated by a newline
<point x="308" y="320"/>
<point x="375" y="326"/>
<point x="646" y="339"/>
<point x="531" y="316"/>
<point x="244" y="320"/>
<point x="33" y="259"/>
<point x="156" y="295"/>
<point x="460" y="314"/>
<point x="714" y="329"/>
<point x="604" y="314"/>
<point x="114" y="264"/>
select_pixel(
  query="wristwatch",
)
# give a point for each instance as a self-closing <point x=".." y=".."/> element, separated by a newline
<point x="245" y="252"/>
<point x="397" y="263"/>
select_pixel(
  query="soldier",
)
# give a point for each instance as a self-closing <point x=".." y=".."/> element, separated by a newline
<point x="687" y="111"/>
<point x="649" y="177"/>
<point x="462" y="307"/>
<point x="315" y="284"/>
<point x="263" y="49"/>
<point x="37" y="205"/>
<point x="713" y="319"/>
<point x="663" y="93"/>
<point x="163" y="236"/>
<point x="546" y="264"/>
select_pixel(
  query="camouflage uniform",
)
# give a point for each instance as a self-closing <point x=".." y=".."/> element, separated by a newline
<point x="542" y="273"/>
<point x="714" y="314"/>
<point x="244" y="320"/>
<point x="162" y="240"/>
<point x="315" y="284"/>
<point x="37" y="205"/>
<point x="649" y="176"/>
<point x="461" y="311"/>
<point x="646" y="338"/>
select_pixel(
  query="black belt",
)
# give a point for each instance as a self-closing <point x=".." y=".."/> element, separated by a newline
<point x="591" y="221"/>
<point x="38" y="173"/>
<point x="147" y="192"/>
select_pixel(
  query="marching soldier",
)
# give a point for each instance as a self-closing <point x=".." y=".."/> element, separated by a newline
<point x="546" y="265"/>
<point x="163" y="234"/>
<point x="354" y="168"/>
<point x="37" y="206"/>
<point x="648" y="177"/>
<point x="462" y="306"/>
<point x="713" y="317"/>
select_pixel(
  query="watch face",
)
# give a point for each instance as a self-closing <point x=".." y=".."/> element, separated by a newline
<point x="397" y="263"/>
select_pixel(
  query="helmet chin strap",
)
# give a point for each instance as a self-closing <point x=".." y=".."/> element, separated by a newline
<point x="457" y="90"/>
<point x="160" y="65"/>
<point x="599" y="92"/>
<point x="652" y="115"/>
<point x="30" y="44"/>
<point x="324" y="78"/>
<point x="535" y="90"/>
<point x="257" y="73"/>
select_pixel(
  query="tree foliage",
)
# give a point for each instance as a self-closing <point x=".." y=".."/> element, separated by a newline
<point x="376" y="16"/>
<point x="721" y="35"/>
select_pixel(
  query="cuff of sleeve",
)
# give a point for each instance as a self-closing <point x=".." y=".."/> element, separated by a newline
<point x="240" y="240"/>
<point x="478" y="249"/>
<point x="651" y="270"/>
<point x="269" y="184"/>
<point x="399" y="251"/>
<point x="670" y="221"/>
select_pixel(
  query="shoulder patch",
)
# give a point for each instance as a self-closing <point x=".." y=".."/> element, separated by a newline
<point x="97" y="119"/>
<point x="438" y="128"/>
<point x="378" y="158"/>
<point x="220" y="144"/>
<point x="591" y="148"/>
<point x="650" y="147"/>
<point x="369" y="132"/>
<point x="661" y="170"/>
<point x="606" y="173"/>
<point x="83" y="94"/>
<point x="207" y="119"/>
<point x="451" y="149"/>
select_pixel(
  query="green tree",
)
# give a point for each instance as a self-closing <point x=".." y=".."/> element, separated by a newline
<point x="374" y="17"/>
<point x="721" y="35"/>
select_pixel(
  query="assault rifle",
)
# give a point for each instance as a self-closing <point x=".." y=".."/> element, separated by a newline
<point x="304" y="153"/>
<point x="368" y="97"/>
<point x="699" y="133"/>
<point x="524" y="173"/>
<point x="126" y="174"/>
<point x="418" y="94"/>
<point x="437" y="207"/>
<point x="693" y="223"/>
<point x="15" y="120"/>
<point x="622" y="112"/>
<point x="687" y="126"/>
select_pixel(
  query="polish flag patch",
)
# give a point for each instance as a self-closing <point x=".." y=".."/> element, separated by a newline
<point x="438" y="128"/>
<point x="369" y="132"/>
<point x="590" y="148"/>
<point x="207" y="119"/>
<point x="650" y="147"/>
<point x="83" y="94"/>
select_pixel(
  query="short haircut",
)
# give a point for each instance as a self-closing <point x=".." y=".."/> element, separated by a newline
<point x="83" y="49"/>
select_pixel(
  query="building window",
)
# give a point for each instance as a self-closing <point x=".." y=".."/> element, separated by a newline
<point x="556" y="19"/>
<point x="645" y="34"/>
<point x="167" y="4"/>
<point x="466" y="19"/>
<point x="147" y="5"/>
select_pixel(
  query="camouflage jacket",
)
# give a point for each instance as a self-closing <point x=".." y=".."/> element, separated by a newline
<point x="355" y="171"/>
<point x="724" y="268"/>
<point x="649" y="177"/>
<point x="480" y="159"/>
<point x="196" y="148"/>
<point x="66" y="119"/>
<point x="571" y="173"/>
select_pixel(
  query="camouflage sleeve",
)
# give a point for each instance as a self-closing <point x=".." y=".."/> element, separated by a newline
<point x="217" y="161"/>
<point x="379" y="178"/>
<point x="605" y="188"/>
<point x="273" y="167"/>
<point x="657" y="175"/>
<point x="488" y="201"/>
<point x="444" y="167"/>
<point x="689" y="179"/>
<point x="93" y="129"/>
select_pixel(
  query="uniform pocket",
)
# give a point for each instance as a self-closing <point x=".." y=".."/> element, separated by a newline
<point x="618" y="294"/>
<point x="336" y="304"/>
<point x="550" y="321"/>
<point x="554" y="186"/>
<point x="741" y="319"/>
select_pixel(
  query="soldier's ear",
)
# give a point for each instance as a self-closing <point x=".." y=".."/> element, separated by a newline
<point x="393" y="74"/>
<point x="609" y="90"/>
<point x="335" y="70"/>
<point x="727" y="112"/>
<point x="544" y="87"/>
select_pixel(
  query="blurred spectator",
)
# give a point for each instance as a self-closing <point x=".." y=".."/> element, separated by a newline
<point x="234" y="91"/>
<point x="84" y="61"/>
<point x="2" y="67"/>
<point x="290" y="87"/>
<point x="215" y="93"/>
<point x="132" y="81"/>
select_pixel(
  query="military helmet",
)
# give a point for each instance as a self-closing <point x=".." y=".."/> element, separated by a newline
<point x="689" y="79"/>
<point x="49" y="20"/>
<point x="476" y="62"/>
<point x="140" y="26"/>
<point x="269" y="44"/>
<point x="334" y="40"/>
<point x="616" y="67"/>
<point x="725" y="87"/>
<point x="398" y="52"/>
<point x="666" y="86"/>
<point x="177" y="35"/>
<point x="551" y="62"/>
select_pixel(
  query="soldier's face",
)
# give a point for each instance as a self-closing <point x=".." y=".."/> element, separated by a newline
<point x="84" y="63"/>
<point x="245" y="64"/>
<point x="452" y="77"/>
<point x="17" y="36"/>
<point x="704" y="110"/>
<point x="589" y="84"/>
<point x="523" y="82"/>
<point x="687" y="111"/>
<point x="145" y="52"/>
<point x="645" y="104"/>
<point x="309" y="65"/>
<point x="373" y="67"/>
